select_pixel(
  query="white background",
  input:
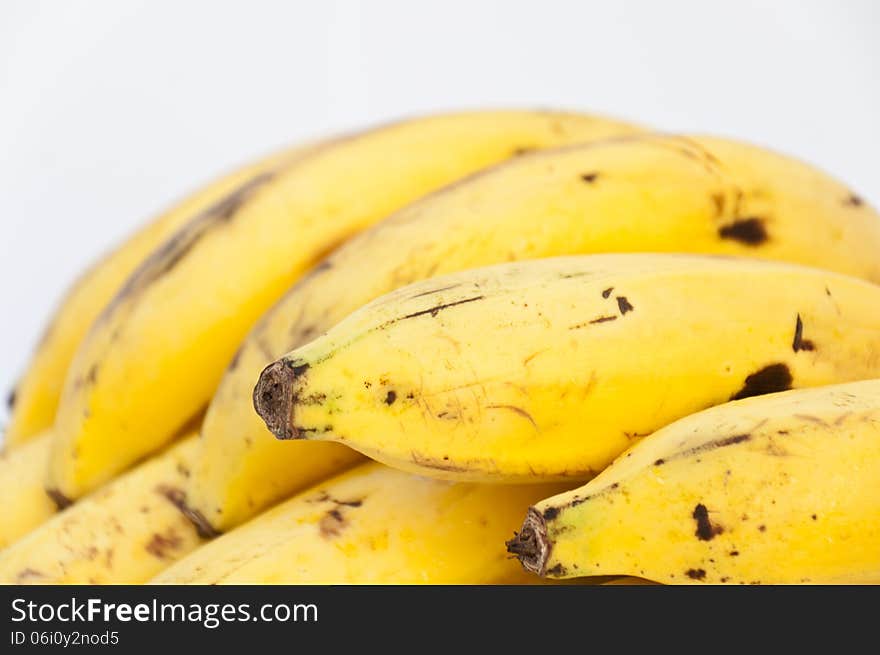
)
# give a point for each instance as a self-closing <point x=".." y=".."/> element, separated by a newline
<point x="111" y="109"/>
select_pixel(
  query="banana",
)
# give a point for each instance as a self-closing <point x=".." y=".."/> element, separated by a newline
<point x="124" y="533"/>
<point x="778" y="489"/>
<point x="628" y="581"/>
<point x="156" y="353"/>
<point x="492" y="374"/>
<point x="24" y="500"/>
<point x="645" y="192"/>
<point x="371" y="525"/>
<point x="34" y="402"/>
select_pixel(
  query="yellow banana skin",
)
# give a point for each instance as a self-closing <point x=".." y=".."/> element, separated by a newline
<point x="157" y="352"/>
<point x="371" y="525"/>
<point x="124" y="533"/>
<point x="637" y="193"/>
<point x="778" y="489"/>
<point x="549" y="369"/>
<point x="22" y="494"/>
<point x="35" y="400"/>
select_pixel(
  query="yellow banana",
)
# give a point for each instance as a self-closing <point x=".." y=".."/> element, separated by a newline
<point x="157" y="352"/>
<point x="371" y="525"/>
<point x="549" y="369"/>
<point x="639" y="193"/>
<point x="628" y="581"/>
<point x="124" y="533"/>
<point x="778" y="489"/>
<point x="23" y="498"/>
<point x="35" y="400"/>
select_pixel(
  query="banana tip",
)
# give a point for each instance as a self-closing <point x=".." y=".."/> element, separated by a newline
<point x="274" y="397"/>
<point x="530" y="544"/>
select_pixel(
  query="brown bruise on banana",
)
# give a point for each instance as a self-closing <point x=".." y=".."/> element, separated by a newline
<point x="770" y="379"/>
<point x="854" y="200"/>
<point x="799" y="343"/>
<point x="164" y="545"/>
<point x="335" y="519"/>
<point x="177" y="497"/>
<point x="748" y="231"/>
<point x="10" y="398"/>
<point x="332" y="524"/>
<point x="90" y="378"/>
<point x="624" y="306"/>
<point x="706" y="530"/>
<point x="61" y="501"/>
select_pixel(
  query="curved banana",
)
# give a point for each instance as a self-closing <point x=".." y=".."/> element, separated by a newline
<point x="372" y="525"/>
<point x="34" y="402"/>
<point x="779" y="489"/>
<point x="124" y="533"/>
<point x="23" y="497"/>
<point x="157" y="352"/>
<point x="549" y="369"/>
<point x="639" y="193"/>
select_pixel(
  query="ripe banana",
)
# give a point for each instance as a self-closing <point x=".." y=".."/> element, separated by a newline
<point x="157" y="352"/>
<point x="638" y="193"/>
<point x="124" y="533"/>
<point x="493" y="374"/>
<point x="778" y="489"/>
<point x="371" y="525"/>
<point x="24" y="501"/>
<point x="35" y="400"/>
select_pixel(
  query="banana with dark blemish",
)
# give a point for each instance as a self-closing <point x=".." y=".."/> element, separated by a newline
<point x="645" y="193"/>
<point x="153" y="358"/>
<point x="34" y="401"/>
<point x="371" y="525"/>
<point x="778" y="489"/>
<point x="549" y="369"/>
<point x="124" y="533"/>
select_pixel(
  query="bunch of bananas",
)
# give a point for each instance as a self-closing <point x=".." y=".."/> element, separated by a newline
<point x="496" y="307"/>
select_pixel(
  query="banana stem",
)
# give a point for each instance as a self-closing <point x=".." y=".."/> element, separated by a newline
<point x="275" y="395"/>
<point x="530" y="544"/>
